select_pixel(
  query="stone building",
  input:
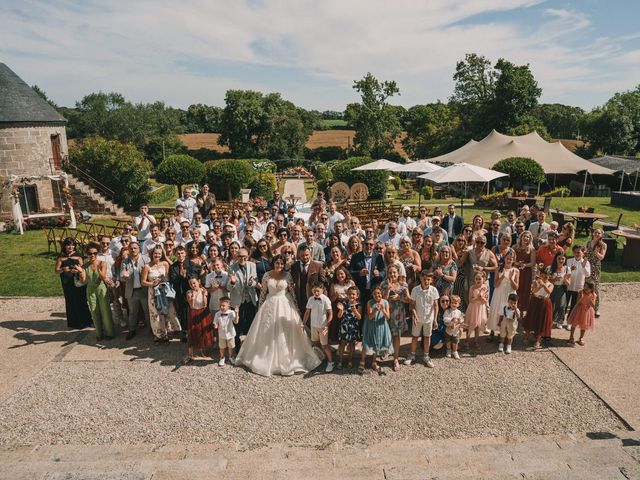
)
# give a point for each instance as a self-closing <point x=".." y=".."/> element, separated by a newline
<point x="33" y="143"/>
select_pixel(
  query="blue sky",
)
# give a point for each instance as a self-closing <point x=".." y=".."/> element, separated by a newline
<point x="581" y="52"/>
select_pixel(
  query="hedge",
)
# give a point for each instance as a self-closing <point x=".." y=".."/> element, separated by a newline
<point x="227" y="177"/>
<point x="263" y="185"/>
<point x="163" y="194"/>
<point x="375" y="180"/>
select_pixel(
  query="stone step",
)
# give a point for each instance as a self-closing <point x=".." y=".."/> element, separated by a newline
<point x="101" y="204"/>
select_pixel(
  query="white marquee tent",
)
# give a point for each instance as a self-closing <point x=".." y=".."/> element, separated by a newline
<point x="554" y="157"/>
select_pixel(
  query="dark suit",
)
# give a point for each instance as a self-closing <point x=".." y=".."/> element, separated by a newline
<point x="356" y="264"/>
<point x="181" y="286"/>
<point x="490" y="242"/>
<point x="281" y="203"/>
<point x="303" y="282"/>
<point x="458" y="225"/>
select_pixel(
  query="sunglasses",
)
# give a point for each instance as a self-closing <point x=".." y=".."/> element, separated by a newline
<point x="128" y="229"/>
<point x="480" y="242"/>
<point x="417" y="234"/>
<point x="92" y="253"/>
<point x="125" y="240"/>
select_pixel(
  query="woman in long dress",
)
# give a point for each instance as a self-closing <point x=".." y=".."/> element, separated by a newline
<point x="68" y="266"/>
<point x="276" y="343"/>
<point x="506" y="282"/>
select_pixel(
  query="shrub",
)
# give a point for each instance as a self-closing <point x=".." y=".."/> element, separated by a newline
<point x="263" y="165"/>
<point x="227" y="177"/>
<point x="495" y="200"/>
<point x="118" y="166"/>
<point x="158" y="149"/>
<point x="375" y="180"/>
<point x="163" y="194"/>
<point x="521" y="170"/>
<point x="321" y="172"/>
<point x="427" y="191"/>
<point x="397" y="182"/>
<point x="559" y="192"/>
<point x="180" y="170"/>
<point x="263" y="185"/>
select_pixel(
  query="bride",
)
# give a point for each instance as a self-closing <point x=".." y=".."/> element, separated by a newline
<point x="276" y="343"/>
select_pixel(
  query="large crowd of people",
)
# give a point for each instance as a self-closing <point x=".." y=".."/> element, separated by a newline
<point x="276" y="292"/>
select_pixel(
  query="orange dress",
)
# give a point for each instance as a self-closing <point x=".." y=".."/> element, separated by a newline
<point x="583" y="316"/>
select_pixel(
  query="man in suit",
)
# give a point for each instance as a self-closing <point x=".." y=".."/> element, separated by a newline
<point x="367" y="269"/>
<point x="538" y="228"/>
<point x="518" y="231"/>
<point x="179" y="273"/>
<point x="134" y="292"/>
<point x="278" y="202"/>
<point x="452" y="223"/>
<point x="305" y="273"/>
<point x="493" y="235"/>
<point x="241" y="286"/>
<point x="317" y="251"/>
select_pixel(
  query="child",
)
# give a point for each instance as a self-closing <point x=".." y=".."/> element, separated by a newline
<point x="216" y="283"/>
<point x="540" y="315"/>
<point x="508" y="323"/>
<point x="583" y="316"/>
<point x="319" y="310"/>
<point x="349" y="314"/>
<point x="580" y="269"/>
<point x="397" y="293"/>
<point x="224" y="320"/>
<point x="553" y="227"/>
<point x="376" y="336"/>
<point x="453" y="319"/>
<point x="200" y="324"/>
<point x="476" y="314"/>
<point x="424" y="309"/>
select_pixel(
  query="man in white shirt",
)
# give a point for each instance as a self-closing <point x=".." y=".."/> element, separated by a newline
<point x="401" y="228"/>
<point x="354" y="228"/>
<point x="407" y="221"/>
<point x="184" y="236"/>
<point x="150" y="243"/>
<point x="391" y="236"/>
<point x="143" y="222"/>
<point x="200" y="225"/>
<point x="334" y="216"/>
<point x="509" y="227"/>
<point x="116" y="243"/>
<point x="188" y="203"/>
<point x="538" y="228"/>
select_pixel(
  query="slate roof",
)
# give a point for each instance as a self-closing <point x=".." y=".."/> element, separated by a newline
<point x="19" y="103"/>
<point x="618" y="163"/>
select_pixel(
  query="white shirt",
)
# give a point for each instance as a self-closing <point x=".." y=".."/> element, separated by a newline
<point x="221" y="279"/>
<point x="319" y="306"/>
<point x="579" y="275"/>
<point x="190" y="207"/>
<point x="143" y="232"/>
<point x="449" y="315"/>
<point x="224" y="322"/>
<point x="408" y="222"/>
<point x="149" y="244"/>
<point x="203" y="229"/>
<point x="510" y="313"/>
<point x="424" y="300"/>
<point x="109" y="259"/>
<point x="386" y="238"/>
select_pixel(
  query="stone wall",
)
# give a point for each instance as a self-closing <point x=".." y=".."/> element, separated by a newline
<point x="25" y="151"/>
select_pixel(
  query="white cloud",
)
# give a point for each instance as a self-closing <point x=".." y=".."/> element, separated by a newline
<point x="310" y="51"/>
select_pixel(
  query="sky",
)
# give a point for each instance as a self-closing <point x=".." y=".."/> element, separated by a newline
<point x="311" y="51"/>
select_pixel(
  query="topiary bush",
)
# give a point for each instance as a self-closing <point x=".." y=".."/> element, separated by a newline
<point x="375" y="180"/>
<point x="227" y="177"/>
<point x="521" y="170"/>
<point x="263" y="185"/>
<point x="180" y="170"/>
<point x="427" y="191"/>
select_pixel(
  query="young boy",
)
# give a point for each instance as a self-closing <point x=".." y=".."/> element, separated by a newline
<point x="424" y="309"/>
<point x="453" y="319"/>
<point x="580" y="269"/>
<point x="319" y="310"/>
<point x="216" y="283"/>
<point x="508" y="323"/>
<point x="224" y="320"/>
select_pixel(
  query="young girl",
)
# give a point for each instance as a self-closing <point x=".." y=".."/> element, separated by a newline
<point x="540" y="315"/>
<point x="349" y="316"/>
<point x="200" y="324"/>
<point x="340" y="285"/>
<point x="560" y="277"/>
<point x="376" y="336"/>
<point x="397" y="293"/>
<point x="583" y="315"/>
<point x="476" y="314"/>
<point x="453" y="320"/>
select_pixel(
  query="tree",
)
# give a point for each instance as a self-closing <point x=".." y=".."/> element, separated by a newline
<point x="430" y="130"/>
<point x="374" y="120"/>
<point x="44" y="96"/>
<point x="375" y="180"/>
<point x="521" y="170"/>
<point x="227" y="177"/>
<point x="118" y="166"/>
<point x="530" y="124"/>
<point x="201" y="118"/>
<point x="180" y="170"/>
<point x="158" y="149"/>
<point x="254" y="125"/>
<point x="561" y="121"/>
<point x="516" y="94"/>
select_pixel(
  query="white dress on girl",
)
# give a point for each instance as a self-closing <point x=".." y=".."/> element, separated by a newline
<point x="500" y="298"/>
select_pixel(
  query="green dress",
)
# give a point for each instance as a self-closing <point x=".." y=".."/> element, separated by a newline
<point x="98" y="301"/>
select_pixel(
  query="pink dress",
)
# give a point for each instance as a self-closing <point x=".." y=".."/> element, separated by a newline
<point x="476" y="314"/>
<point x="583" y="315"/>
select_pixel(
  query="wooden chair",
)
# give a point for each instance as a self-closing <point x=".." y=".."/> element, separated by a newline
<point x="609" y="227"/>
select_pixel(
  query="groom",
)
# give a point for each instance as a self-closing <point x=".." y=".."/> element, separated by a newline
<point x="241" y="285"/>
<point x="305" y="273"/>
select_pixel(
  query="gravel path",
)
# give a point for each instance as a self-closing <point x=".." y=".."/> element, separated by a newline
<point x="132" y="402"/>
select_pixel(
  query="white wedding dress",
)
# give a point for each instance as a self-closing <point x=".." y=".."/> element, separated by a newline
<point x="276" y="344"/>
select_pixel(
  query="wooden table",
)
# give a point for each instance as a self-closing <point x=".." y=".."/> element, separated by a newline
<point x="585" y="220"/>
<point x="631" y="252"/>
